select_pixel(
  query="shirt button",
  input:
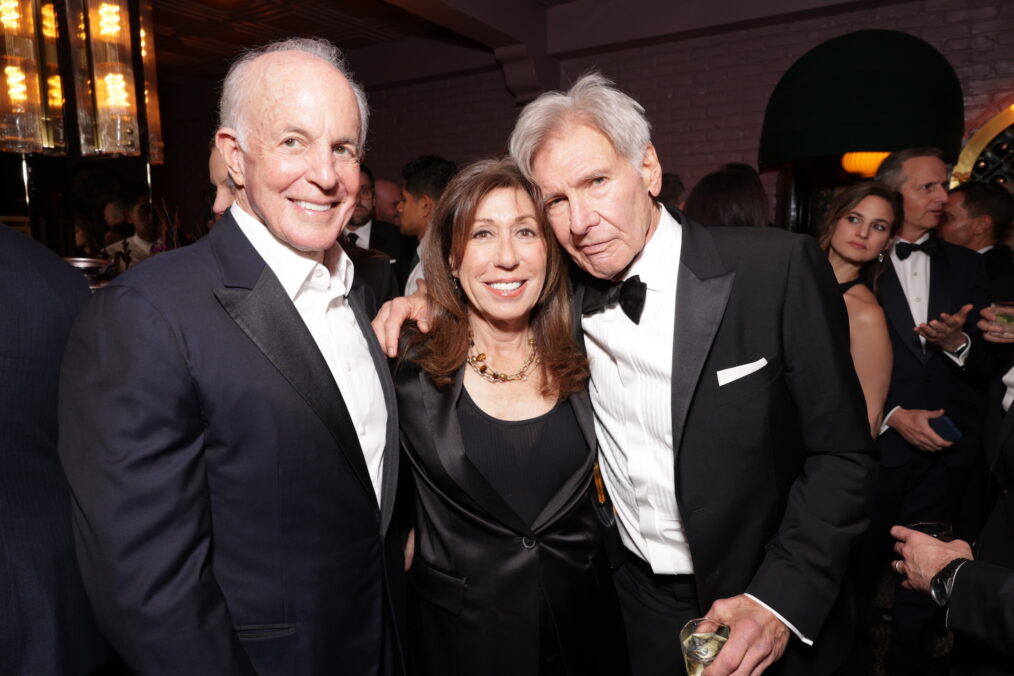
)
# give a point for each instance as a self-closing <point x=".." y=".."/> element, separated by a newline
<point x="362" y="431"/>
<point x="918" y="300"/>
<point x="347" y="366"/>
<point x="527" y="542"/>
<point x="319" y="272"/>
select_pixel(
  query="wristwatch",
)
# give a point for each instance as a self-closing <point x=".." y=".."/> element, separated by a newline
<point x="943" y="582"/>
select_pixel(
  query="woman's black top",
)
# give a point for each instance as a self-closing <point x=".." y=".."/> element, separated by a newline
<point x="526" y="461"/>
<point x="845" y="286"/>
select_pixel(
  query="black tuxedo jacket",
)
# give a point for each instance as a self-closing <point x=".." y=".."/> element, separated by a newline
<point x="773" y="470"/>
<point x="927" y="378"/>
<point x="999" y="261"/>
<point x="224" y="515"/>
<point x="981" y="610"/>
<point x="479" y="568"/>
<point x="388" y="238"/>
<point x="46" y="624"/>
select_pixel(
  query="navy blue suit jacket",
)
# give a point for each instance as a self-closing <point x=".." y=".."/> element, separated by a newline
<point x="46" y="624"/>
<point x="224" y="515"/>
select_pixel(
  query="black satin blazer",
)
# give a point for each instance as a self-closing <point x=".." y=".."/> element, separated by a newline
<point x="480" y="572"/>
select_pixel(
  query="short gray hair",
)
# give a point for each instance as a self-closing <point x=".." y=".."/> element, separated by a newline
<point x="889" y="172"/>
<point x="593" y="100"/>
<point x="235" y="89"/>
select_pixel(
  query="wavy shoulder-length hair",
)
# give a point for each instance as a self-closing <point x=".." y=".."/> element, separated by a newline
<point x="442" y="351"/>
<point x="846" y="201"/>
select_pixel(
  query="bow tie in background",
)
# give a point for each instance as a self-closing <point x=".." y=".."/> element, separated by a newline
<point x="629" y="294"/>
<point x="904" y="249"/>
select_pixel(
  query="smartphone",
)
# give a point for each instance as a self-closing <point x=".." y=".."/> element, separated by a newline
<point x="946" y="428"/>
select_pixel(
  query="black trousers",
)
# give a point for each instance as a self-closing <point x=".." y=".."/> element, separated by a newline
<point x="655" y="608"/>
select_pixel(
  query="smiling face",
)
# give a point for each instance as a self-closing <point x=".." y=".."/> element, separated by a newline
<point x="503" y="267"/>
<point x="860" y="235"/>
<point x="924" y="193"/>
<point x="598" y="203"/>
<point x="298" y="168"/>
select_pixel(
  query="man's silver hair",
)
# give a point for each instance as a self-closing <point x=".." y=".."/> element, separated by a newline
<point x="890" y="170"/>
<point x="592" y="100"/>
<point x="236" y="88"/>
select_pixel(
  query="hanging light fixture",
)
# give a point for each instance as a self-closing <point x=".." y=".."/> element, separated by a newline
<point x="151" y="107"/>
<point x="865" y="163"/>
<point x="113" y="78"/>
<point x="53" y="134"/>
<point x="20" y="105"/>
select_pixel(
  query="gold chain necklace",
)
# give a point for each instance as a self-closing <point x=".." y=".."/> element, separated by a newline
<point x="479" y="365"/>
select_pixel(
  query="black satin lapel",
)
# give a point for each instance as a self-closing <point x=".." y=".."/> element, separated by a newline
<point x="898" y="313"/>
<point x="700" y="305"/>
<point x="940" y="286"/>
<point x="272" y="322"/>
<point x="449" y="448"/>
<point x="389" y="475"/>
<point x="569" y="492"/>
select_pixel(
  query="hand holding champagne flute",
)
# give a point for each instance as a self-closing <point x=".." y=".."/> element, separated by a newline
<point x="701" y="640"/>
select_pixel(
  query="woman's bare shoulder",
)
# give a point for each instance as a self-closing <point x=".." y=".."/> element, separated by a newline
<point x="862" y="306"/>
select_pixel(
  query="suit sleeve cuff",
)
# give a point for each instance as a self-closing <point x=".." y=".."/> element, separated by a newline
<point x="961" y="354"/>
<point x="884" y="426"/>
<point x="781" y="619"/>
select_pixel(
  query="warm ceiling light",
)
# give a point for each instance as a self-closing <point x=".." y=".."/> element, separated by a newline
<point x="49" y="28"/>
<point x="17" y="90"/>
<point x="864" y="163"/>
<point x="54" y="89"/>
<point x="10" y="14"/>
<point x="109" y="20"/>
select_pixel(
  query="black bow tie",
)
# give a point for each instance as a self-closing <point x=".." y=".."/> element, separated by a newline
<point x="904" y="249"/>
<point x="629" y="294"/>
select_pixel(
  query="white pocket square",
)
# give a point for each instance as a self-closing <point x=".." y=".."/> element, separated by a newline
<point x="726" y="376"/>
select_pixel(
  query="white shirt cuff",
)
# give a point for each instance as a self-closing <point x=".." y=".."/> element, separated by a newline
<point x="960" y="359"/>
<point x="884" y="426"/>
<point x="782" y="620"/>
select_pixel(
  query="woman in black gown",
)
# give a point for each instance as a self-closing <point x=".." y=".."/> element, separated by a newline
<point x="509" y="570"/>
<point x="856" y="234"/>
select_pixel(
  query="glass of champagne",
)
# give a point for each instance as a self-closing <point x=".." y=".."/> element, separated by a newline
<point x="1003" y="325"/>
<point x="941" y="531"/>
<point x="701" y="640"/>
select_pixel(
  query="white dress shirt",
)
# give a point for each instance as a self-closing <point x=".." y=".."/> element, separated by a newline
<point x="1008" y="396"/>
<point x="318" y="285"/>
<point x="412" y="285"/>
<point x="631" y="389"/>
<point x="362" y="234"/>
<point x="914" y="276"/>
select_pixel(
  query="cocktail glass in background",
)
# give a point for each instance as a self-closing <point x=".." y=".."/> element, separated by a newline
<point x="1003" y="325"/>
<point x="701" y="640"/>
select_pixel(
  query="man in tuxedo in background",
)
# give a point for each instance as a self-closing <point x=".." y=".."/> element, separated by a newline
<point x="228" y="427"/>
<point x="46" y="623"/>
<point x="977" y="216"/>
<point x="423" y="181"/>
<point x="976" y="584"/>
<point x="732" y="431"/>
<point x="366" y="231"/>
<point x="928" y="292"/>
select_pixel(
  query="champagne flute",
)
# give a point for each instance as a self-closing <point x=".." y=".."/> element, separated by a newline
<point x="701" y="640"/>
